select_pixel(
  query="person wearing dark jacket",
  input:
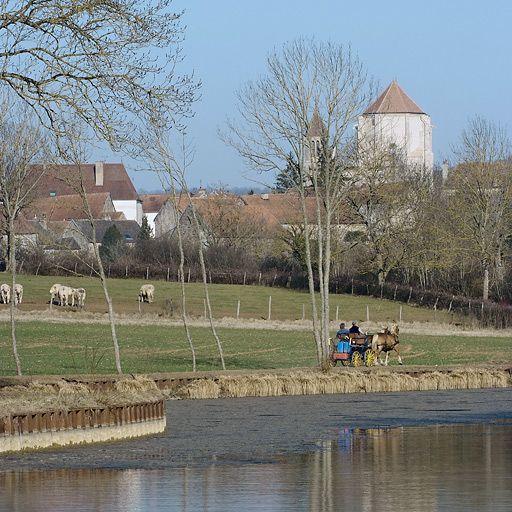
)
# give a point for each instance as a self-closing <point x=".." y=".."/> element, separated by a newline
<point x="355" y="329"/>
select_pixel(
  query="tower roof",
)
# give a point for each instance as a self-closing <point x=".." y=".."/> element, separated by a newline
<point x="316" y="125"/>
<point x="393" y="100"/>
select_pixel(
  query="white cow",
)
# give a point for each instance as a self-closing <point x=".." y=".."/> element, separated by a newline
<point x="79" y="297"/>
<point x="54" y="293"/>
<point x="5" y="293"/>
<point x="18" y="293"/>
<point x="65" y="295"/>
<point x="147" y="293"/>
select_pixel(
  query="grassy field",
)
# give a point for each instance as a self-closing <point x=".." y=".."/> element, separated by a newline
<point x="286" y="304"/>
<point x="50" y="348"/>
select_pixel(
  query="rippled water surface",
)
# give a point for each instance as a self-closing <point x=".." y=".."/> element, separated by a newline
<point x="452" y="468"/>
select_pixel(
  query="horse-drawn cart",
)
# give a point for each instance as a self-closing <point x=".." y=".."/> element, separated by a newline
<point x="354" y="350"/>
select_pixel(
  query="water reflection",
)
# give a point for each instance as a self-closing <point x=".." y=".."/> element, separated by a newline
<point x="456" y="468"/>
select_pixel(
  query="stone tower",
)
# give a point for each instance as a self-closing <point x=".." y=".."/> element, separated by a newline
<point x="395" y="121"/>
<point x="313" y="143"/>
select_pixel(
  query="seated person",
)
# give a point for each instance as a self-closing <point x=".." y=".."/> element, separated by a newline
<point x="343" y="332"/>
<point x="355" y="328"/>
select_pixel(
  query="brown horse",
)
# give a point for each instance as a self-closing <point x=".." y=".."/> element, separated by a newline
<point x="387" y="341"/>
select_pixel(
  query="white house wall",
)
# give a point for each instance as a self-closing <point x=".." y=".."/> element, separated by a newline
<point x="151" y="220"/>
<point x="132" y="209"/>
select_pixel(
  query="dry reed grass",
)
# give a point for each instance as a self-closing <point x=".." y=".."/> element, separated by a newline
<point x="64" y="395"/>
<point x="315" y="383"/>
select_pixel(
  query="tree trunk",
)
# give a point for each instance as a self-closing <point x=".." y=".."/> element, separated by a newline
<point x="205" y="282"/>
<point x="108" y="300"/>
<point x="311" y="279"/>
<point x="485" y="294"/>
<point x="182" y="283"/>
<point x="12" y="267"/>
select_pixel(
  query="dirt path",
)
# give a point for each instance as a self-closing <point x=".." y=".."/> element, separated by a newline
<point x="84" y="317"/>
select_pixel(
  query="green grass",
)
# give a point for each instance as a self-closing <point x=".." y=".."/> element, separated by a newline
<point x="50" y="348"/>
<point x="286" y="304"/>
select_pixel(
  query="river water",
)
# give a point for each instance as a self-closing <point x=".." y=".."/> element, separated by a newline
<point x="291" y="454"/>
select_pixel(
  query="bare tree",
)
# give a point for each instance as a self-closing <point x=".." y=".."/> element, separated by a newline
<point x="108" y="63"/>
<point x="386" y="200"/>
<point x="162" y="160"/>
<point x="22" y="144"/>
<point x="72" y="148"/>
<point x="482" y="192"/>
<point x="181" y="169"/>
<point x="302" y="111"/>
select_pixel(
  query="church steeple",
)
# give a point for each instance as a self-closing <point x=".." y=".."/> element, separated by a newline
<point x="316" y="126"/>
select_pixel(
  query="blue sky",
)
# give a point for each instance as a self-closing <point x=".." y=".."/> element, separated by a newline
<point x="451" y="57"/>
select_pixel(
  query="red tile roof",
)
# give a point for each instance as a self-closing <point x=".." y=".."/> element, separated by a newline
<point x="393" y="100"/>
<point x="151" y="203"/>
<point x="116" y="181"/>
<point x="68" y="207"/>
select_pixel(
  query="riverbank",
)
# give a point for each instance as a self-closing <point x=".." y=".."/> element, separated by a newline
<point x="58" y="413"/>
<point x="238" y="431"/>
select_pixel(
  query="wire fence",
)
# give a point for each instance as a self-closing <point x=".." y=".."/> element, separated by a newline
<point x="482" y="313"/>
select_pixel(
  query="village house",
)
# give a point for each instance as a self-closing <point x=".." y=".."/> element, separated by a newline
<point x="151" y="205"/>
<point x="71" y="207"/>
<point x="100" y="177"/>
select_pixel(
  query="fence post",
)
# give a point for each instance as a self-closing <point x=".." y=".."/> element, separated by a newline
<point x="126" y="271"/>
<point x="204" y="304"/>
<point x="245" y="277"/>
<point x="147" y="272"/>
<point x="139" y="303"/>
<point x="188" y="277"/>
<point x="109" y="270"/>
<point x="269" y="307"/>
<point x="410" y="294"/>
<point x="238" y="309"/>
<point x="37" y="269"/>
<point x="210" y="272"/>
<point x="168" y="273"/>
<point x="337" y="313"/>
<point x="367" y="313"/>
<point x="352" y="292"/>
<point x="400" y="313"/>
<point x="381" y="290"/>
<point x="259" y="279"/>
<point x="394" y="295"/>
<point x="303" y="312"/>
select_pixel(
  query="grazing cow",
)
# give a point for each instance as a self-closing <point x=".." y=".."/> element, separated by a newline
<point x="18" y="293"/>
<point x="79" y="297"/>
<point x="65" y="295"/>
<point x="147" y="293"/>
<point x="5" y="293"/>
<point x="54" y="293"/>
<point x="387" y="341"/>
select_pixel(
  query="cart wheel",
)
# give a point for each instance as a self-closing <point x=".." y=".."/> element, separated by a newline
<point x="357" y="360"/>
<point x="370" y="357"/>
